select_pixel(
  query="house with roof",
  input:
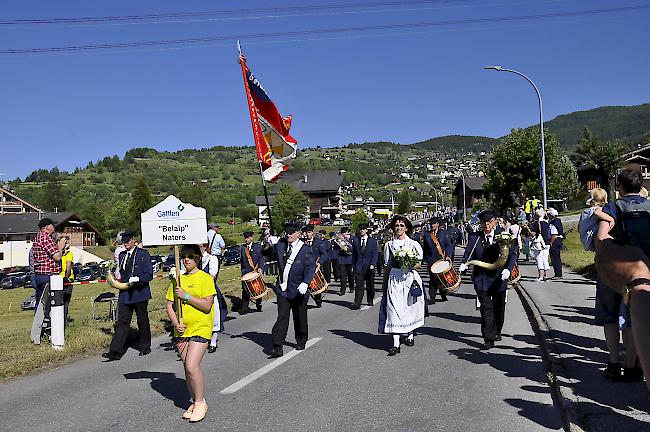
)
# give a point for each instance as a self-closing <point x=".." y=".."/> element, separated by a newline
<point x="588" y="176"/>
<point x="11" y="203"/>
<point x="474" y="191"/>
<point x="324" y="189"/>
<point x="18" y="231"/>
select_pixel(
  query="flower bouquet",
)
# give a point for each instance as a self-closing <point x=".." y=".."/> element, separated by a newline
<point x="407" y="259"/>
<point x="504" y="239"/>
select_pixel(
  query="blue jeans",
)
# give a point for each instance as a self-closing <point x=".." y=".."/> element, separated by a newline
<point x="39" y="282"/>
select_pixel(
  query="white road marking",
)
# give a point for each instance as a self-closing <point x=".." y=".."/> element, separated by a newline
<point x="266" y="369"/>
<point x="374" y="302"/>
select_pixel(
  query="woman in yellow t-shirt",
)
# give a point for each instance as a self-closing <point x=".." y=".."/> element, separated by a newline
<point x="192" y="336"/>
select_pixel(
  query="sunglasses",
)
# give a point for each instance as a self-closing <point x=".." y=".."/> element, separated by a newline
<point x="400" y="225"/>
<point x="190" y="256"/>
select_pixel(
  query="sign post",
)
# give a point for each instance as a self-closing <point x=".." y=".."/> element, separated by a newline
<point x="173" y="222"/>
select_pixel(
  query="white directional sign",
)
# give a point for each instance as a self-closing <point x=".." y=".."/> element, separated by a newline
<point x="172" y="222"/>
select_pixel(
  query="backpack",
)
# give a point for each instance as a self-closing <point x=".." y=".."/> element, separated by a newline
<point x="634" y="223"/>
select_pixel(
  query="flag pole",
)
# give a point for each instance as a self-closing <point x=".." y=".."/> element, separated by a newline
<point x="256" y="126"/>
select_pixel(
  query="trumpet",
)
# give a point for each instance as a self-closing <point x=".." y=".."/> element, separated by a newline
<point x="343" y="244"/>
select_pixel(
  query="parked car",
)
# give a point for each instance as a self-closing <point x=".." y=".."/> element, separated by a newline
<point x="231" y="255"/>
<point x="97" y="271"/>
<point x="168" y="263"/>
<point x="314" y="221"/>
<point x="29" y="303"/>
<point x="28" y="280"/>
<point x="156" y="263"/>
<point x="76" y="268"/>
<point x="86" y="274"/>
<point x="326" y="222"/>
<point x="13" y="280"/>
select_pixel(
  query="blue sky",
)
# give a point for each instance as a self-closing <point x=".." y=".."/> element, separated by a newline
<point x="403" y="84"/>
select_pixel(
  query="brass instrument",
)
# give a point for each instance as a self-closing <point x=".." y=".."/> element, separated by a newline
<point x="343" y="244"/>
<point x="122" y="286"/>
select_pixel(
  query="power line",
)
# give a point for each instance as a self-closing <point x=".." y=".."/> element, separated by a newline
<point x="172" y="42"/>
<point x="221" y="12"/>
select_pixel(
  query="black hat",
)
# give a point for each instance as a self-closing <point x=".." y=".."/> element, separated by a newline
<point x="487" y="215"/>
<point x="45" y="222"/>
<point x="127" y="235"/>
<point x="307" y="228"/>
<point x="363" y="226"/>
<point x="434" y="220"/>
<point x="248" y="234"/>
<point x="322" y="232"/>
<point x="344" y="230"/>
<point x="291" y="227"/>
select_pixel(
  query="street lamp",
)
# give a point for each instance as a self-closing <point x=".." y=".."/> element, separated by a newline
<point x="541" y="124"/>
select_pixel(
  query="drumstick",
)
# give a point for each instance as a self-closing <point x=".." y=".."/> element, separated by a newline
<point x="473" y="249"/>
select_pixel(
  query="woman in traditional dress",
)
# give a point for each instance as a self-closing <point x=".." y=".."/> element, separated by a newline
<point x="402" y="309"/>
<point x="192" y="335"/>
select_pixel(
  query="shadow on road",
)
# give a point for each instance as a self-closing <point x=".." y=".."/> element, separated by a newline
<point x="262" y="339"/>
<point x="167" y="384"/>
<point x="368" y="340"/>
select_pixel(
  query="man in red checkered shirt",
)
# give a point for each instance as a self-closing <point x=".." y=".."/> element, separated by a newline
<point x="47" y="256"/>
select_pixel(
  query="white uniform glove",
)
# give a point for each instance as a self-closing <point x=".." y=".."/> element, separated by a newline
<point x="505" y="274"/>
<point x="302" y="288"/>
<point x="462" y="268"/>
<point x="134" y="279"/>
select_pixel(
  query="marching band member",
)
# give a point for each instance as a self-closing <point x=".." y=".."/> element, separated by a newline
<point x="319" y="251"/>
<point x="197" y="292"/>
<point x="402" y="309"/>
<point x="344" y="262"/>
<point x="364" y="261"/>
<point x="435" y="243"/>
<point x="136" y="268"/>
<point x="326" y="262"/>
<point x="297" y="266"/>
<point x="210" y="265"/>
<point x="251" y="260"/>
<point x="490" y="285"/>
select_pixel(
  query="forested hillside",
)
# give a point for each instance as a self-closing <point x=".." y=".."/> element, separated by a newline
<point x="630" y="124"/>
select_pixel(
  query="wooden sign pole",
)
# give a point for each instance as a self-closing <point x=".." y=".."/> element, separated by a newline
<point x="178" y="303"/>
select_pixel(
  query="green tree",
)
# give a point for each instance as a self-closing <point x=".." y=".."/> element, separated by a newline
<point x="197" y="194"/>
<point x="289" y="205"/>
<point x="513" y="168"/>
<point x="141" y="201"/>
<point x="53" y="195"/>
<point x="357" y="219"/>
<point x="603" y="157"/>
<point x="405" y="203"/>
<point x="97" y="218"/>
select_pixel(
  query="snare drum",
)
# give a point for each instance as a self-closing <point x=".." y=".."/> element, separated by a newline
<point x="445" y="275"/>
<point x="514" y="275"/>
<point x="318" y="284"/>
<point x="254" y="283"/>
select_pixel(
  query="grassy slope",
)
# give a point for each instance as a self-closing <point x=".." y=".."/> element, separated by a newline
<point x="576" y="257"/>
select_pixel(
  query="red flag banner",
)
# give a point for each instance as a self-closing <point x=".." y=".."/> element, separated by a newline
<point x="276" y="149"/>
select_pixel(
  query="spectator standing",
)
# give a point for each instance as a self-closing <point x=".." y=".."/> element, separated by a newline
<point x="68" y="277"/>
<point x="557" y="241"/>
<point x="47" y="258"/>
<point x="540" y="244"/>
<point x="216" y="243"/>
<point x="515" y="230"/>
<point x="631" y="205"/>
<point x="119" y="248"/>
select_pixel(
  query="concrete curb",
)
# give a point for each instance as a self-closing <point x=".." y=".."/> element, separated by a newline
<point x="552" y="361"/>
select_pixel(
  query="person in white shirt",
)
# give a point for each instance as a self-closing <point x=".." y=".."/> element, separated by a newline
<point x="216" y="243"/>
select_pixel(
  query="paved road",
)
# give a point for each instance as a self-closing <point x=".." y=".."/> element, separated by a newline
<point x="343" y="382"/>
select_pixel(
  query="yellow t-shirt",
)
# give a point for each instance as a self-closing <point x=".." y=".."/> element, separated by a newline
<point x="199" y="284"/>
<point x="66" y="260"/>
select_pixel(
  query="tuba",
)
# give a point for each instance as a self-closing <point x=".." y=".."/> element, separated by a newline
<point x="343" y="244"/>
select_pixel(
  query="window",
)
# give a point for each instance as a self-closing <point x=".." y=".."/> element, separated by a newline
<point x="2" y="256"/>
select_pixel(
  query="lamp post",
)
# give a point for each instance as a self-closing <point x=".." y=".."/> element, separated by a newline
<point x="437" y="202"/>
<point x="541" y="124"/>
